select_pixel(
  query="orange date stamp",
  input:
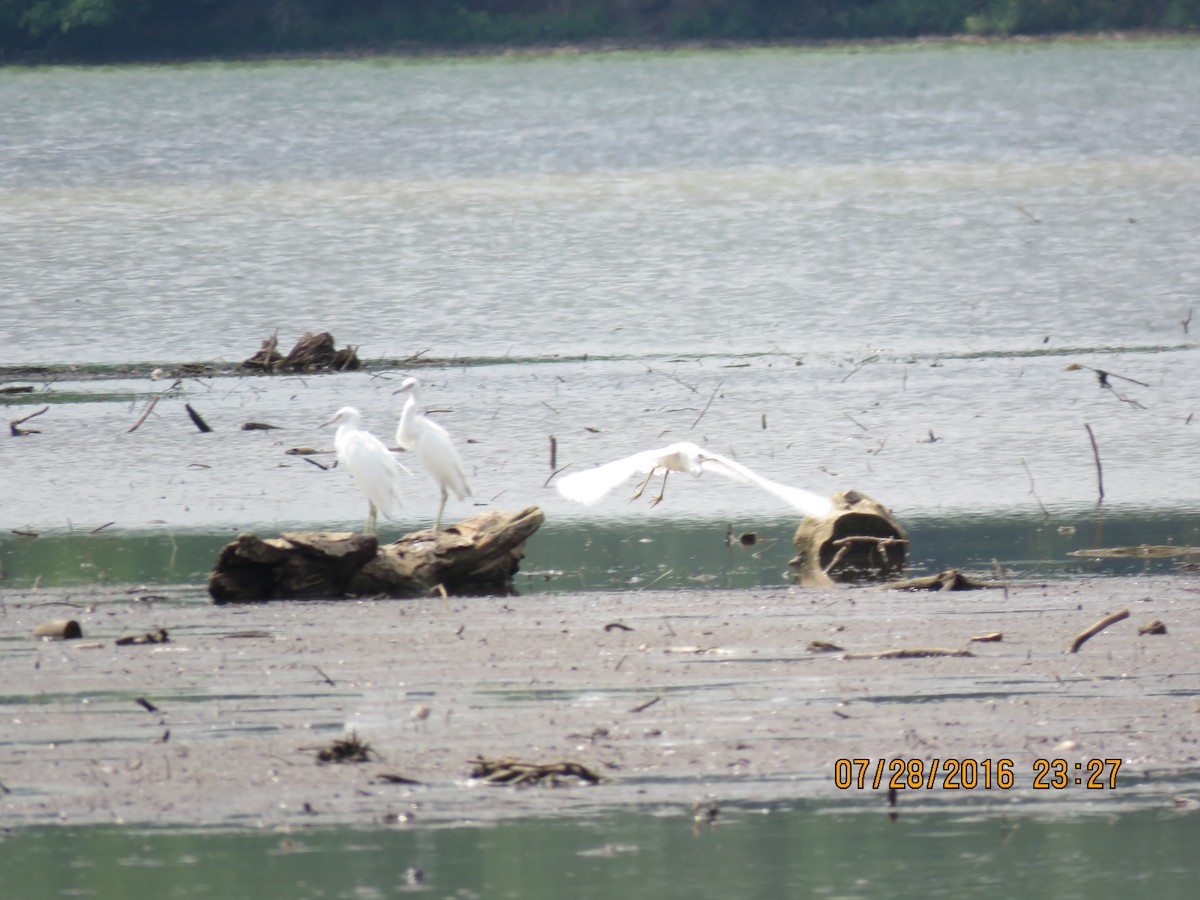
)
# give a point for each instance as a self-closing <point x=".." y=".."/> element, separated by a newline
<point x="965" y="774"/>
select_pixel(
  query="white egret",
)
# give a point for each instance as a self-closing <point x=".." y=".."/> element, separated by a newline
<point x="590" y="485"/>
<point x="433" y="447"/>
<point x="373" y="466"/>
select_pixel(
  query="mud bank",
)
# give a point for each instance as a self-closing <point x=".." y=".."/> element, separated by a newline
<point x="679" y="697"/>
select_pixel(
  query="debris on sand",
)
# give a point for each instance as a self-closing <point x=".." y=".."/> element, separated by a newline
<point x="910" y="653"/>
<point x="150" y="637"/>
<point x="949" y="580"/>
<point x="512" y="771"/>
<point x="59" y="629"/>
<point x="346" y="750"/>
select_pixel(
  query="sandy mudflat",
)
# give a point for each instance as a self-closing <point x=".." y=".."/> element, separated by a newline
<point x="672" y="697"/>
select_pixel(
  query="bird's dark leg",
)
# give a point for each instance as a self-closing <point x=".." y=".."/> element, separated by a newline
<point x="642" y="486"/>
<point x="369" y="528"/>
<point x="654" y="501"/>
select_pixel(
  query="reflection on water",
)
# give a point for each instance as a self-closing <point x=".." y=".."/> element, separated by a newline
<point x="776" y="851"/>
<point x="663" y="554"/>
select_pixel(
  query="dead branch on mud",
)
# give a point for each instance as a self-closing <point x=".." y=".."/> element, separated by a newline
<point x="1084" y="636"/>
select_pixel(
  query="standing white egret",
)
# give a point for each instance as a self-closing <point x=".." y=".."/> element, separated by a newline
<point x="590" y="485"/>
<point x="373" y="465"/>
<point x="433" y="447"/>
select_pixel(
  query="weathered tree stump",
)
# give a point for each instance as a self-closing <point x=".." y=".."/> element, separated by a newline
<point x="860" y="541"/>
<point x="478" y="555"/>
<point x="313" y="353"/>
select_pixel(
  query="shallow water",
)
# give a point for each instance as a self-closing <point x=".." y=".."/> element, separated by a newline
<point x="794" y="849"/>
<point x="628" y="554"/>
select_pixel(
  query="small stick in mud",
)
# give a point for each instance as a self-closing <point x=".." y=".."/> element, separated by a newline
<point x="1085" y="635"/>
<point x="1096" y="457"/>
<point x="644" y="706"/>
<point x="553" y="453"/>
<point x="21" y="432"/>
<point x="196" y="419"/>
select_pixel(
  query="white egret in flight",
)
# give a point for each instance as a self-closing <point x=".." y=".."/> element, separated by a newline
<point x="590" y="485"/>
<point x="433" y="447"/>
<point x="373" y="466"/>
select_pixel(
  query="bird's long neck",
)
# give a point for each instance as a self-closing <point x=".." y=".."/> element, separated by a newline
<point x="342" y="435"/>
<point x="408" y="421"/>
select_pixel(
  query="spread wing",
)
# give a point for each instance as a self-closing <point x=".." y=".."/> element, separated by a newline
<point x="590" y="485"/>
<point x="803" y="501"/>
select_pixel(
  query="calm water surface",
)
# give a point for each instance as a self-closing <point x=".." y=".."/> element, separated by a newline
<point x="980" y="199"/>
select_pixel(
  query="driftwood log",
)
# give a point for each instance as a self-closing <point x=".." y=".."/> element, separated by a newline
<point x="478" y="555"/>
<point x="860" y="541"/>
<point x="949" y="580"/>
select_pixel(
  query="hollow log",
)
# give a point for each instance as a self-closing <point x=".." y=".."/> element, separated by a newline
<point x="860" y="541"/>
<point x="478" y="555"/>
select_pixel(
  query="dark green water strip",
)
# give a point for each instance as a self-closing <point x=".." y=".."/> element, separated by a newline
<point x="640" y="554"/>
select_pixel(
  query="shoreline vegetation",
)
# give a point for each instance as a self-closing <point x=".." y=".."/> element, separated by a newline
<point x="36" y="32"/>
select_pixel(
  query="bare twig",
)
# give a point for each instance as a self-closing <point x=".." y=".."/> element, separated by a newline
<point x="707" y="405"/>
<point x="1102" y="375"/>
<point x="555" y="472"/>
<point x="553" y="453"/>
<point x="18" y="432"/>
<point x="1084" y="636"/>
<point x="146" y="412"/>
<point x="856" y="422"/>
<point x="1033" y="490"/>
<point x="1099" y="470"/>
<point x="860" y="367"/>
<point x="1030" y="215"/>
<point x="676" y="379"/>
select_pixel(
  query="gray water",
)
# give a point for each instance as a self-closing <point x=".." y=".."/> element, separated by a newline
<point x="845" y="268"/>
<point x="832" y="202"/>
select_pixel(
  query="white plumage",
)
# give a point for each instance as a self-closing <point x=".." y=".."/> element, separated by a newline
<point x="372" y="465"/>
<point x="590" y="485"/>
<point x="433" y="447"/>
